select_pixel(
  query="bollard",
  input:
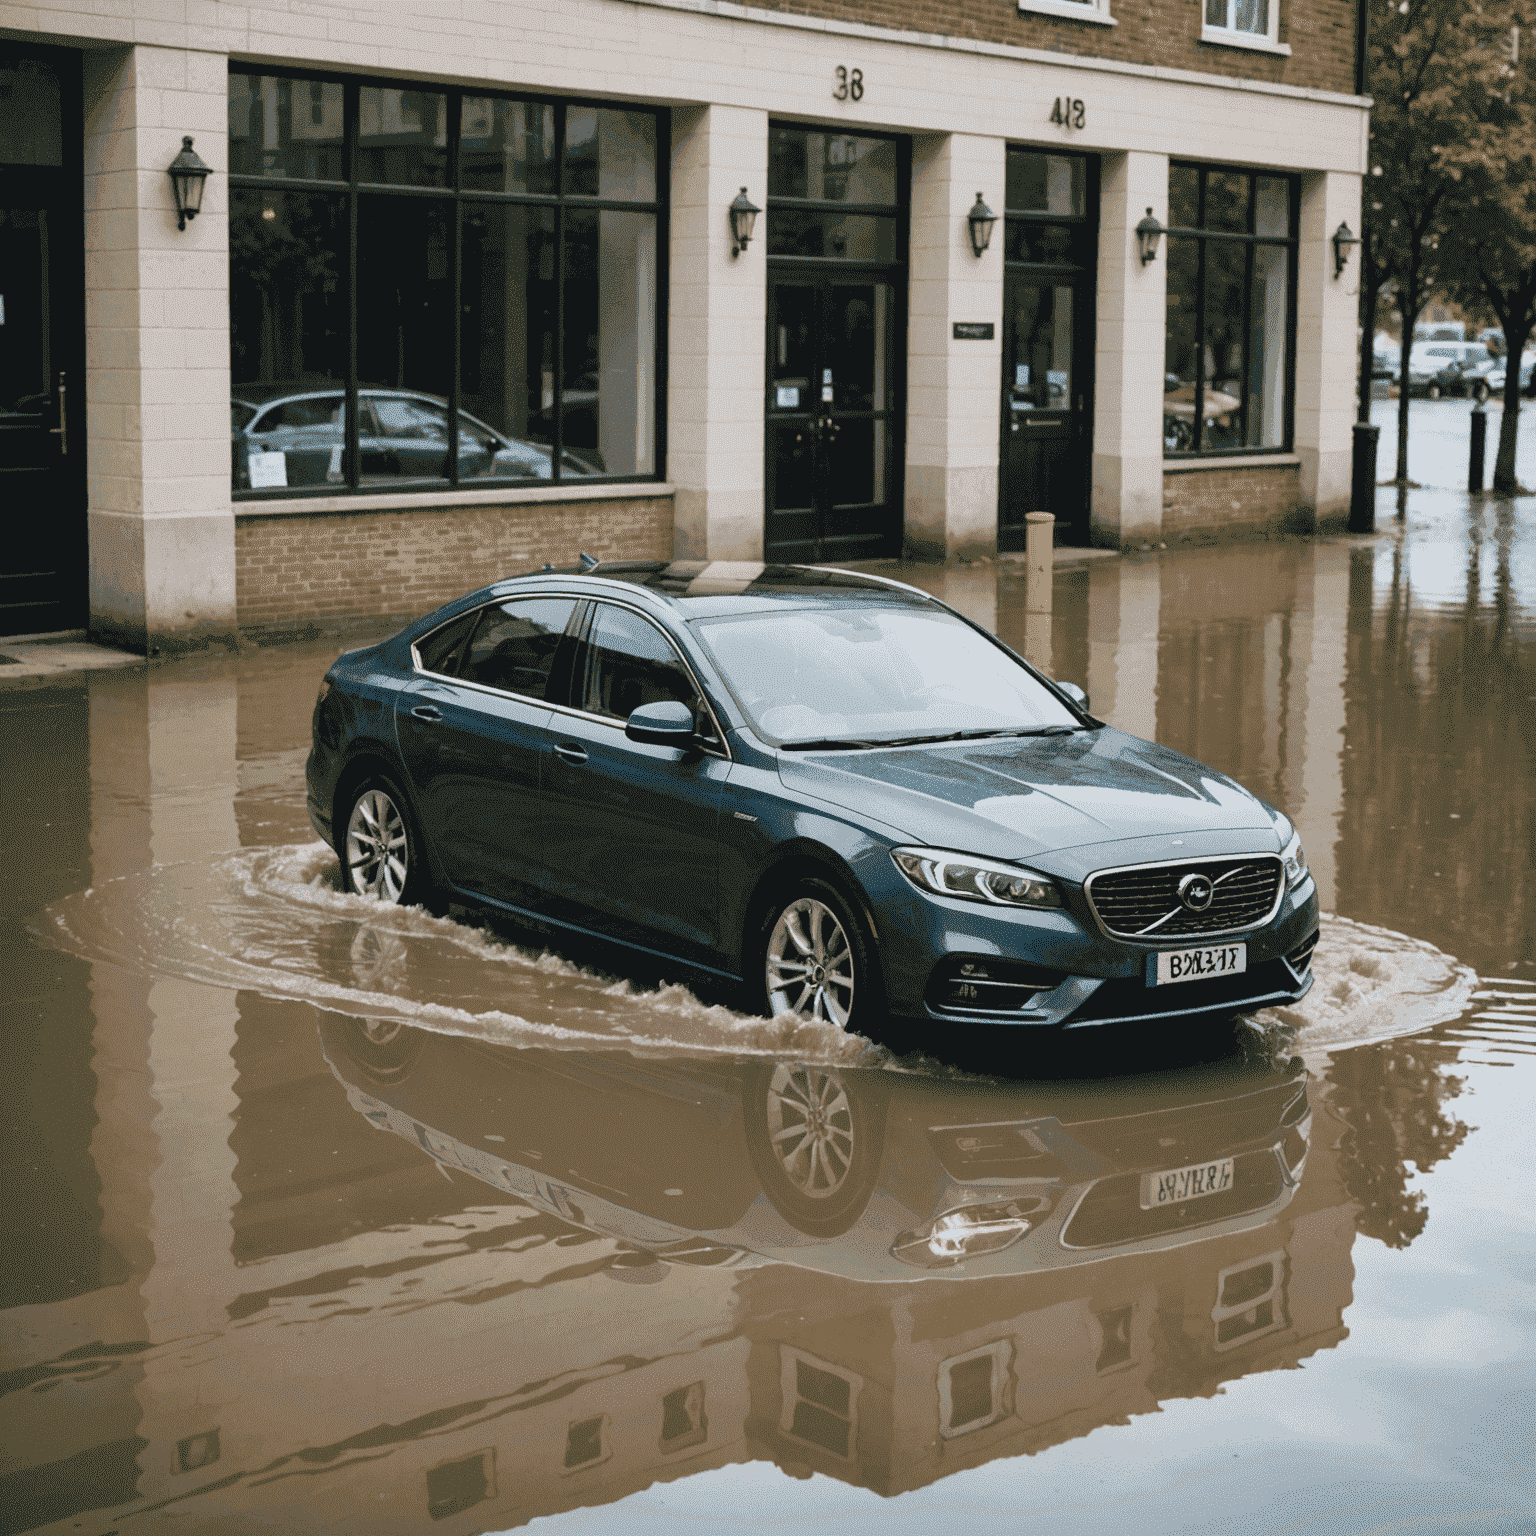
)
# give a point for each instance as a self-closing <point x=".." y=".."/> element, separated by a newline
<point x="1478" y="450"/>
<point x="1039" y="574"/>
<point x="1362" y="480"/>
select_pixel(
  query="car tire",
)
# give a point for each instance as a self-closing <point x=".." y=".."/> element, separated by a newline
<point x="816" y="1137"/>
<point x="380" y="846"/>
<point x="384" y="1051"/>
<point x="813" y="958"/>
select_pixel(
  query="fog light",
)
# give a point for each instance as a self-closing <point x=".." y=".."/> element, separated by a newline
<point x="967" y="1232"/>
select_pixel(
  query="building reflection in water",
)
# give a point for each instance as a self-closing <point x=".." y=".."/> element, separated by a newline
<point x="275" y="1276"/>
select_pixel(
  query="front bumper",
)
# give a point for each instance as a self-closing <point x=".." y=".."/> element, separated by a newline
<point x="1086" y="978"/>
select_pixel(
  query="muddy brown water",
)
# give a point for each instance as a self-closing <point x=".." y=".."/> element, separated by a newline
<point x="321" y="1217"/>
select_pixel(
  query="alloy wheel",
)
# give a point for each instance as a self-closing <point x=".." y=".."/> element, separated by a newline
<point x="377" y="851"/>
<point x="810" y="964"/>
<point x="810" y="1128"/>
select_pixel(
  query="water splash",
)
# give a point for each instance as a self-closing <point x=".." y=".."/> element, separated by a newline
<point x="275" y="921"/>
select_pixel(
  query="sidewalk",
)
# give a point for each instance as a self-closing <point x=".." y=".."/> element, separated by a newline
<point x="46" y="658"/>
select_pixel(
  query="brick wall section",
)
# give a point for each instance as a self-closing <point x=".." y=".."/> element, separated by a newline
<point x="1205" y="505"/>
<point x="1321" y="34"/>
<point x="298" y="571"/>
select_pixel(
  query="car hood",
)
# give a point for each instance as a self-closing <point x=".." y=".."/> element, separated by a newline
<point x="1021" y="797"/>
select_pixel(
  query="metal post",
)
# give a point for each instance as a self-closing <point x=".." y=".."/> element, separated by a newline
<point x="1039" y="574"/>
<point x="1478" y="450"/>
<point x="1362" y="480"/>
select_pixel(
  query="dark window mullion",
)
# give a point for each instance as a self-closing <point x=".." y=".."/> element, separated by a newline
<point x="455" y="280"/>
<point x="351" y="98"/>
<point x="557" y="445"/>
<point x="1247" y="342"/>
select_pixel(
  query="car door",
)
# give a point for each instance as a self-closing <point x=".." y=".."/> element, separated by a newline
<point x="474" y="732"/>
<point x="631" y="840"/>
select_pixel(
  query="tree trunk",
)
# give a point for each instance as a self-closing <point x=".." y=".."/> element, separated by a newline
<point x="1408" y="306"/>
<point x="1369" y="297"/>
<point x="1504" y="481"/>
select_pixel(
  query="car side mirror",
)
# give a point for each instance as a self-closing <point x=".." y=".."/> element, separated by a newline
<point x="666" y="723"/>
<point x="1079" y="696"/>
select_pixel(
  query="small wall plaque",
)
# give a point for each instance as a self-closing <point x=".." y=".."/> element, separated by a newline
<point x="973" y="330"/>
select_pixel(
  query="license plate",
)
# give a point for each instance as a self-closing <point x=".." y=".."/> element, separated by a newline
<point x="1178" y="1186"/>
<point x="1175" y="965"/>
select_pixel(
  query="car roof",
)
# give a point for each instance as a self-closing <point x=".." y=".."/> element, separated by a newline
<point x="711" y="588"/>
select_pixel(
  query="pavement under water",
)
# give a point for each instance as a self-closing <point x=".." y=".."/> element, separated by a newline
<point x="328" y="1217"/>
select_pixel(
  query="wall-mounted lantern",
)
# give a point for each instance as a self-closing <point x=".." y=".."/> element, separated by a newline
<point x="1148" y="233"/>
<point x="1343" y="238"/>
<point x="980" y="221"/>
<point x="187" y="173"/>
<point x="744" y="214"/>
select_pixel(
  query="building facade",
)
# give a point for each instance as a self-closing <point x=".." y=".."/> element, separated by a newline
<point x="517" y="220"/>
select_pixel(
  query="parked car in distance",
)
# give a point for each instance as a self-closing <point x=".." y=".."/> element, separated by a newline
<point x="286" y="435"/>
<point x="1386" y="356"/>
<point x="1497" y="375"/>
<point x="1428" y="359"/>
<point x="831" y="788"/>
<point x="1461" y="379"/>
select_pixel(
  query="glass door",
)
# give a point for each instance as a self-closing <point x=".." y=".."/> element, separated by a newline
<point x="836" y="238"/>
<point x="831" y="427"/>
<point x="1044" y="462"/>
<point x="42" y="364"/>
<point x="1051" y="218"/>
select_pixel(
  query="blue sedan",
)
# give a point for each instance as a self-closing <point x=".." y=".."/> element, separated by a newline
<point x="830" y="787"/>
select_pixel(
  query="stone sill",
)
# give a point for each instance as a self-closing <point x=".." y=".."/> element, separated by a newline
<point x="451" y="501"/>
<point x="1072" y="10"/>
<point x="1223" y="38"/>
<point x="1245" y="461"/>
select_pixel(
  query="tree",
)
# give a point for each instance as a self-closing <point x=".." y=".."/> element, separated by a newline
<point x="1434" y="66"/>
<point x="1489" y="256"/>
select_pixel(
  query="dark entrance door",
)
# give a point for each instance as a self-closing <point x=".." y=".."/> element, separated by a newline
<point x="1045" y="408"/>
<point x="42" y="343"/>
<point x="836" y="237"/>
<point x="832" y="475"/>
<point x="1051" y="229"/>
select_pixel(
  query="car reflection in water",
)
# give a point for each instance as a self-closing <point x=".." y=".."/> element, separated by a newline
<point x="871" y="1175"/>
<point x="286" y="435"/>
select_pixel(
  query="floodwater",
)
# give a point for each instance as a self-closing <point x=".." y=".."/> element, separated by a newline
<point x="327" y="1217"/>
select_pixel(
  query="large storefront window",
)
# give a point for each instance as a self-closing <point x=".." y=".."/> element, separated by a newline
<point x="1231" y="311"/>
<point x="403" y="259"/>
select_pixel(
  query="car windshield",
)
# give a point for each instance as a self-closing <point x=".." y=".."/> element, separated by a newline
<point x="863" y="676"/>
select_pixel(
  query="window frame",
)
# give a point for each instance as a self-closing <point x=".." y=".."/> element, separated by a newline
<point x="352" y="188"/>
<point x="713" y="745"/>
<point x="1249" y="238"/>
<point x="1232" y="36"/>
<point x="562" y="668"/>
<point x="1095" y="12"/>
<point x="790" y="1359"/>
<point x="999" y="1354"/>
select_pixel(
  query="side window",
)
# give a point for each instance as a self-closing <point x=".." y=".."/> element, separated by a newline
<point x="441" y="649"/>
<point x="515" y="645"/>
<point x="630" y="663"/>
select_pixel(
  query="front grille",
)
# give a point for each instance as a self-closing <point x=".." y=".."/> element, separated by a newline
<point x="1143" y="902"/>
<point x="1111" y="1212"/>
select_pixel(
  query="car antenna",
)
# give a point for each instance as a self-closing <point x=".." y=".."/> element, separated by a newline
<point x="588" y="562"/>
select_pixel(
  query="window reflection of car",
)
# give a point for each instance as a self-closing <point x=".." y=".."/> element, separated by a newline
<point x="402" y="435"/>
<point x="1217" y="409"/>
<point x="875" y="1175"/>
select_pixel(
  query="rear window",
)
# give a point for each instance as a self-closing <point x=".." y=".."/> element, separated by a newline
<point x="515" y="645"/>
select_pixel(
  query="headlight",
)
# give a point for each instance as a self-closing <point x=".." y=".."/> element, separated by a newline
<point x="1295" y="861"/>
<point x="973" y="879"/>
<point x="968" y="1232"/>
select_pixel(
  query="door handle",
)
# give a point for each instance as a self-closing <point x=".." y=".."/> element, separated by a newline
<point x="62" y="430"/>
<point x="569" y="752"/>
<point x="427" y="712"/>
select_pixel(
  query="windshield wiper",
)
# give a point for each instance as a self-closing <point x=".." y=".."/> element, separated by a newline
<point x="832" y="744"/>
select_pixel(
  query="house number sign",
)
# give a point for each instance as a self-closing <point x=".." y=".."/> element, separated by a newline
<point x="1069" y="112"/>
<point x="850" y="84"/>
